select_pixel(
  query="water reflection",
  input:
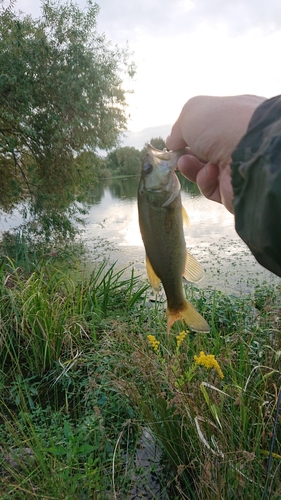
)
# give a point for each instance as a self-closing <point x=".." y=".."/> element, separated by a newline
<point x="124" y="189"/>
<point x="95" y="194"/>
<point x="116" y="217"/>
<point x="212" y="238"/>
<point x="112" y="232"/>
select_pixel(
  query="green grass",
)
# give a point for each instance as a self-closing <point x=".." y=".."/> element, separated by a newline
<point x="80" y="381"/>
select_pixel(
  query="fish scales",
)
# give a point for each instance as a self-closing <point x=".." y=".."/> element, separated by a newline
<point x="161" y="225"/>
<point x="164" y="243"/>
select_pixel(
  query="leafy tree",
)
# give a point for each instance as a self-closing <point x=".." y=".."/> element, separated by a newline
<point x="112" y="162"/>
<point x="124" y="161"/>
<point x="90" y="167"/>
<point x="131" y="165"/>
<point x="157" y="142"/>
<point x="61" y="94"/>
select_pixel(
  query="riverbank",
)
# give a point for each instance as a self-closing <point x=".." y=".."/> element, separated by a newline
<point x="87" y="368"/>
<point x="228" y="264"/>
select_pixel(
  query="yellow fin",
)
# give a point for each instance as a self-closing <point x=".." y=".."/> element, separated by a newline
<point x="153" y="278"/>
<point x="185" y="217"/>
<point x="192" y="318"/>
<point x="193" y="271"/>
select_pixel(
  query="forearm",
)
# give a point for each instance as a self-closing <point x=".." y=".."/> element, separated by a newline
<point x="256" y="180"/>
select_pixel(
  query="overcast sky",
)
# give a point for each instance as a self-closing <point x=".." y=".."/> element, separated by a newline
<point x="184" y="48"/>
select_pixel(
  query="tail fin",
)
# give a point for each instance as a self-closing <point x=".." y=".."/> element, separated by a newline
<point x="192" y="318"/>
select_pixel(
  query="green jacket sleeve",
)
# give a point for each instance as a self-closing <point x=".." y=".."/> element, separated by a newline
<point x="256" y="180"/>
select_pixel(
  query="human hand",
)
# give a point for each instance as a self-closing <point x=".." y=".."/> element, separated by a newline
<point x="211" y="127"/>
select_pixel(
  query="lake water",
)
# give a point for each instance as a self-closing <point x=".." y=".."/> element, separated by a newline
<point x="112" y="232"/>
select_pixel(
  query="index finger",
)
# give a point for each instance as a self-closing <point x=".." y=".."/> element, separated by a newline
<point x="175" y="140"/>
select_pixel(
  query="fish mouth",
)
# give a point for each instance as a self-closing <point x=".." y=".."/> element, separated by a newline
<point x="164" y="157"/>
<point x="161" y="154"/>
<point x="158" y="172"/>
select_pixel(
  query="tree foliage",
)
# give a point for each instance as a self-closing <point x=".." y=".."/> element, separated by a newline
<point x="61" y="94"/>
<point x="157" y="142"/>
<point x="126" y="160"/>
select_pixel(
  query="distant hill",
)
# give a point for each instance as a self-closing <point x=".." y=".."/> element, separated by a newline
<point x="138" y="139"/>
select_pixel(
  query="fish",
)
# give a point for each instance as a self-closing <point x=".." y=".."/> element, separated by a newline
<point x="161" y="218"/>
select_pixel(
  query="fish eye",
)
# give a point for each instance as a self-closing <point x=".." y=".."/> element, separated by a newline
<point x="147" y="168"/>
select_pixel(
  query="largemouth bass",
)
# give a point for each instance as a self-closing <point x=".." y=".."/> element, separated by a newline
<point x="161" y="217"/>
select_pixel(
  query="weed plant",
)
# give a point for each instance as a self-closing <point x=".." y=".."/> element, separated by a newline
<point x="213" y="419"/>
<point x="86" y="366"/>
<point x="60" y="415"/>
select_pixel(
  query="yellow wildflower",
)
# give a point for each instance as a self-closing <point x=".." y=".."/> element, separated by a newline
<point x="153" y="342"/>
<point x="209" y="361"/>
<point x="181" y="337"/>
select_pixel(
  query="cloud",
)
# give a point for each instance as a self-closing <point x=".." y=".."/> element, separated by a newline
<point x="170" y="17"/>
<point x="129" y="19"/>
<point x="241" y="15"/>
<point x="138" y="139"/>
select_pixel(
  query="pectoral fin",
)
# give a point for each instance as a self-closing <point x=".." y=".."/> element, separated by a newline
<point x="153" y="278"/>
<point x="190" y="316"/>
<point x="185" y="217"/>
<point x="193" y="271"/>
